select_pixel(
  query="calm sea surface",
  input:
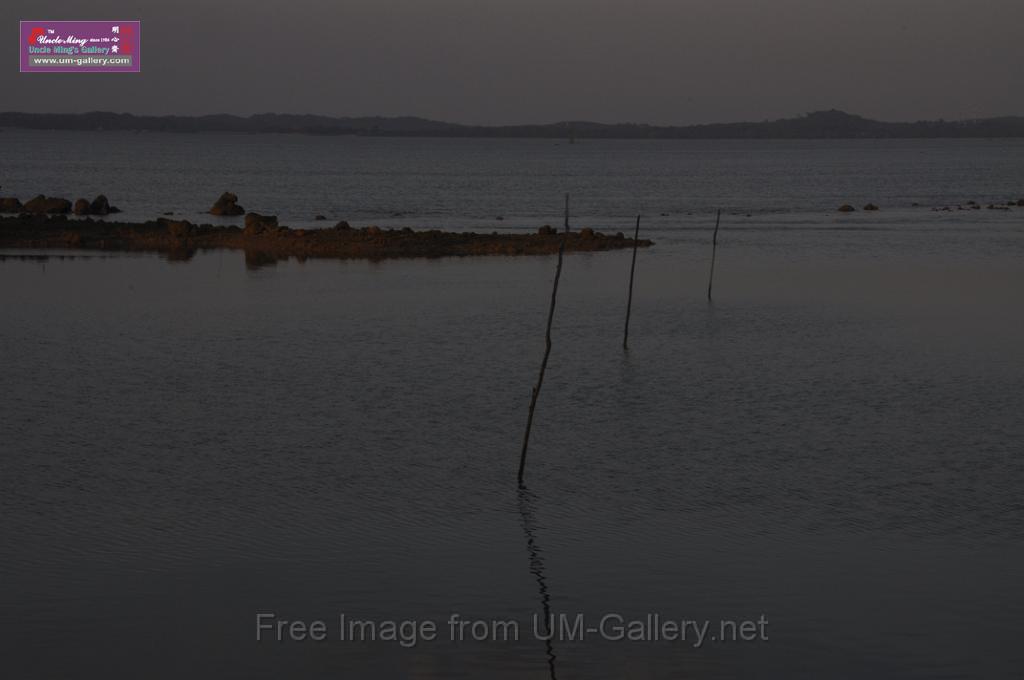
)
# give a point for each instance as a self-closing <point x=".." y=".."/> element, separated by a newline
<point x="834" y="444"/>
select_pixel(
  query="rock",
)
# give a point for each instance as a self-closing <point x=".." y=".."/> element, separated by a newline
<point x="36" y="205"/>
<point x="177" y="228"/>
<point x="81" y="207"/>
<point x="43" y="205"/>
<point x="846" y="208"/>
<point x="871" y="206"/>
<point x="257" y="224"/>
<point x="547" y="230"/>
<point x="586" y="233"/>
<point x="256" y="218"/>
<point x="342" y="226"/>
<point x="320" y="218"/>
<point x="10" y="205"/>
<point x="101" y="206"/>
<point x="227" y="204"/>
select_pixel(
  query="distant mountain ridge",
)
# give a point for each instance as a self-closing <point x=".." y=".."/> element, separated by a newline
<point x="818" y="125"/>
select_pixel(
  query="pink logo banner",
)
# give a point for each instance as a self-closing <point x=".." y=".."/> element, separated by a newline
<point x="81" y="46"/>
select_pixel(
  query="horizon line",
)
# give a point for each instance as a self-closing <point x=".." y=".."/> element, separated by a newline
<point x="578" y="121"/>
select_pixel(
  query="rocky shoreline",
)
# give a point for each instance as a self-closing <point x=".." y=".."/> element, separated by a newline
<point x="265" y="242"/>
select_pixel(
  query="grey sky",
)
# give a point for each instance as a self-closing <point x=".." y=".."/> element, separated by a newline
<point x="518" y="61"/>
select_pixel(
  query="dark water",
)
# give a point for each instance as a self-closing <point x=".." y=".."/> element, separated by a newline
<point x="834" y="445"/>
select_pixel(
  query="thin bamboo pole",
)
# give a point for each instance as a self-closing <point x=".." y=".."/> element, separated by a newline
<point x="547" y="346"/>
<point x="632" y="271"/>
<point x="714" y="247"/>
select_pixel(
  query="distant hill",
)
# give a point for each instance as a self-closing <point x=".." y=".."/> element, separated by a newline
<point x="819" y="125"/>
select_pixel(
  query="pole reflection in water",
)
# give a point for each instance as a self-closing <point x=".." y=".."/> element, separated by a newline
<point x="537" y="569"/>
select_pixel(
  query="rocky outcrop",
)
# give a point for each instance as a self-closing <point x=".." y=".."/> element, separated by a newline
<point x="846" y="208"/>
<point x="41" y="205"/>
<point x="178" y="239"/>
<point x="101" y="206"/>
<point x="98" y="206"/>
<point x="256" y="224"/>
<point x="10" y="205"/>
<point x="227" y="204"/>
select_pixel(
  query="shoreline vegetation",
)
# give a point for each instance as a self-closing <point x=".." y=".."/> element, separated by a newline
<point x="264" y="241"/>
<point x="817" y="125"/>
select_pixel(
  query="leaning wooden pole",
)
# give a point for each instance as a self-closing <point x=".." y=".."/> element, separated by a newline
<point x="632" y="271"/>
<point x="714" y="247"/>
<point x="547" y="346"/>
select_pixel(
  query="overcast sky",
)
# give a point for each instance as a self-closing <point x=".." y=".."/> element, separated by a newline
<point x="522" y="61"/>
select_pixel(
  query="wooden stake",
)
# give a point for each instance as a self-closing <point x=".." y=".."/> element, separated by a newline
<point x="547" y="347"/>
<point x="714" y="247"/>
<point x="632" y="271"/>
